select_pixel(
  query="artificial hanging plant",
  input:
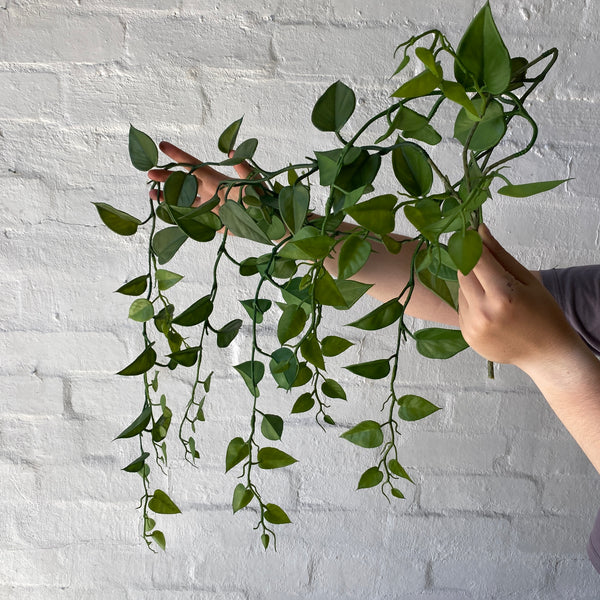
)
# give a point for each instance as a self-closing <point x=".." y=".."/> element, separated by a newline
<point x="486" y="89"/>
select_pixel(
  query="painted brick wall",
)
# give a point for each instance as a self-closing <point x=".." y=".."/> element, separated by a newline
<point x="504" y="498"/>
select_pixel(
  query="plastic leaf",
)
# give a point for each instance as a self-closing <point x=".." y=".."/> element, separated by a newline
<point x="353" y="255"/>
<point x="465" y="249"/>
<point x="421" y="85"/>
<point x="382" y="316"/>
<point x="366" y="434"/>
<point x="412" y="169"/>
<point x="273" y="458"/>
<point x="333" y="109"/>
<point x="162" y="504"/>
<point x="276" y="515"/>
<point x="141" y="310"/>
<point x="524" y="190"/>
<point x="311" y="351"/>
<point x="227" y="138"/>
<point x="370" y="478"/>
<point x="144" y="362"/>
<point x="272" y="427"/>
<point x="240" y="223"/>
<point x="435" y="342"/>
<point x="252" y="372"/>
<point x="291" y="323"/>
<point x="135" y="287"/>
<point x="196" y="313"/>
<point x="413" y="408"/>
<point x="490" y="130"/>
<point x="166" y="242"/>
<point x="333" y="389"/>
<point x="228" y="333"/>
<point x="376" y="214"/>
<point x="116" y="220"/>
<point x="397" y="469"/>
<point x="284" y="367"/>
<point x="167" y="279"/>
<point x="375" y="369"/>
<point x="159" y="538"/>
<point x="332" y="345"/>
<point x="242" y="496"/>
<point x="304" y="403"/>
<point x="293" y="206"/>
<point x="237" y="450"/>
<point x="142" y="150"/>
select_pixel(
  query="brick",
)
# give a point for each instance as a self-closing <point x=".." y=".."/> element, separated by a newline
<point x="570" y="495"/>
<point x="31" y="395"/>
<point x="576" y="577"/>
<point x="35" y="566"/>
<point x="38" y="202"/>
<point x="31" y="96"/>
<point x="505" y="495"/>
<point x="60" y="37"/>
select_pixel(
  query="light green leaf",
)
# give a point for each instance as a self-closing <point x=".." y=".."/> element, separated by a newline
<point x="264" y="538"/>
<point x="490" y="130"/>
<point x="311" y="351"/>
<point x="435" y="342"/>
<point x="465" y="249"/>
<point x="333" y="109"/>
<point x="397" y="469"/>
<point x="446" y="290"/>
<point x="397" y="493"/>
<point x="456" y="92"/>
<point x="242" y="496"/>
<point x="524" y="190"/>
<point x="421" y="85"/>
<point x="141" y="310"/>
<point x="276" y="515"/>
<point x="370" y="478"/>
<point x="162" y="504"/>
<point x="272" y="427"/>
<point x="413" y="408"/>
<point x="116" y="220"/>
<point x="273" y="458"/>
<point x="376" y="214"/>
<point x="142" y="150"/>
<point x="167" y="279"/>
<point x="366" y="434"/>
<point x="159" y="538"/>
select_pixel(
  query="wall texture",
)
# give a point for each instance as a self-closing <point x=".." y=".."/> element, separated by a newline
<point x="504" y="498"/>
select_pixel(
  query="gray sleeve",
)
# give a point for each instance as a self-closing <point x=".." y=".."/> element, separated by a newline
<point x="577" y="292"/>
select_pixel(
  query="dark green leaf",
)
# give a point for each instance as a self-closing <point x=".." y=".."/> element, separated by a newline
<point x="142" y="150"/>
<point x="167" y="279"/>
<point x="181" y="189"/>
<point x="186" y="357"/>
<point x="291" y="323"/>
<point x="376" y="214"/>
<point x="162" y="504"/>
<point x="144" y="362"/>
<point x="276" y="515"/>
<point x="327" y="291"/>
<point x="164" y="318"/>
<point x="304" y="403"/>
<point x="446" y="290"/>
<point x="256" y="309"/>
<point x="284" y="367"/>
<point x="329" y="167"/>
<point x="240" y="223"/>
<point x="375" y="369"/>
<point x="370" y="478"/>
<point x="272" y="427"/>
<point x="332" y="389"/>
<point x="264" y="538"/>
<point x="116" y="220"/>
<point x="465" y="249"/>
<point x="141" y="310"/>
<point x="137" y="464"/>
<point x="351" y="291"/>
<point x="166" y="242"/>
<point x="242" y="496"/>
<point x="425" y="134"/>
<point x="293" y="206"/>
<point x="366" y="434"/>
<point x="273" y="458"/>
<point x="311" y="351"/>
<point x="397" y="469"/>
<point x="237" y="450"/>
<point x="529" y="189"/>
<point x="483" y="54"/>
<point x="382" y="316"/>
<point x="227" y="138"/>
<point x="304" y="375"/>
<point x="490" y="130"/>
<point x="135" y="287"/>
<point x="308" y="246"/>
<point x="228" y="332"/>
<point x="138" y="425"/>
<point x="353" y="255"/>
<point x="159" y="538"/>
<point x="412" y="169"/>
<point x="332" y="345"/>
<point x="252" y="372"/>
<point x="333" y="109"/>
<point x="413" y="408"/>
<point x="397" y="493"/>
<point x="196" y="313"/>
<point x="246" y="150"/>
<point x="435" y="342"/>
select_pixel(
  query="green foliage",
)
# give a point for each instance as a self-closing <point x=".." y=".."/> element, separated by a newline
<point x="294" y="252"/>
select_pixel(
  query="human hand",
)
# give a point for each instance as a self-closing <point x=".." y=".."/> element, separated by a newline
<point x="208" y="178"/>
<point x="507" y="315"/>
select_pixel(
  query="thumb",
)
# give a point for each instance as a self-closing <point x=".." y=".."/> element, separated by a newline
<point x="243" y="169"/>
<point x="509" y="262"/>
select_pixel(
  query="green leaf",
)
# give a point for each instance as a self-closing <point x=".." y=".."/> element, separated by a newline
<point x="304" y="403"/>
<point x="167" y="279"/>
<point x="428" y="59"/>
<point x="293" y="206"/>
<point x="135" y="287"/>
<point x="351" y="291"/>
<point x="456" y="92"/>
<point x="138" y="425"/>
<point x="256" y="308"/>
<point x="144" y="362"/>
<point x="382" y="316"/>
<point x="445" y="290"/>
<point x="370" y="478"/>
<point x="159" y="538"/>
<point x="327" y="291"/>
<point x="397" y="469"/>
<point x="276" y="515"/>
<point x="465" y="249"/>
<point x="237" y="450"/>
<point x="228" y="332"/>
<point x="116" y="220"/>
<point x="252" y="372"/>
<point x="240" y="223"/>
<point x="397" y="493"/>
<point x="142" y="150"/>
<point x="374" y="369"/>
<point x="137" y="464"/>
<point x="304" y="375"/>
<point x="490" y="130"/>
<point x="333" y="109"/>
<point x="272" y="427"/>
<point x="164" y="318"/>
<point x="242" y="496"/>
<point x="284" y="367"/>
<point x="186" y="357"/>
<point x="149" y="524"/>
<point x="264" y="538"/>
<point x="413" y="408"/>
<point x="141" y="310"/>
<point x="291" y="323"/>
<point x="181" y="189"/>
<point x="166" y="242"/>
<point x="196" y="313"/>
<point x="246" y="150"/>
<point x="332" y="389"/>
<point x="353" y="255"/>
<point x="332" y="345"/>
<point x="308" y="245"/>
<point x="421" y="85"/>
<point x="162" y="504"/>
<point x="435" y="342"/>
<point x="376" y="214"/>
<point x="328" y="164"/>
<point x="273" y="458"/>
<point x="227" y="138"/>
<point x="366" y="434"/>
<point x="529" y="189"/>
<point x="483" y="54"/>
<point x="412" y="169"/>
<point x="311" y="351"/>
<point x="426" y="134"/>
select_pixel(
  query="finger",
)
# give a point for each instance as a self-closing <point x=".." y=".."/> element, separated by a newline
<point x="243" y="169"/>
<point x="470" y="287"/>
<point x="155" y="196"/>
<point x="160" y="175"/>
<point x="177" y="154"/>
<point x="492" y="276"/>
<point x="508" y="262"/>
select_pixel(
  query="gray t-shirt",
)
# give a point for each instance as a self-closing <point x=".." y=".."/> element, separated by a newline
<point x="577" y="292"/>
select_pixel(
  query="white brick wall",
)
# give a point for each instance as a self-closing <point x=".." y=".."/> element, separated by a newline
<point x="504" y="500"/>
